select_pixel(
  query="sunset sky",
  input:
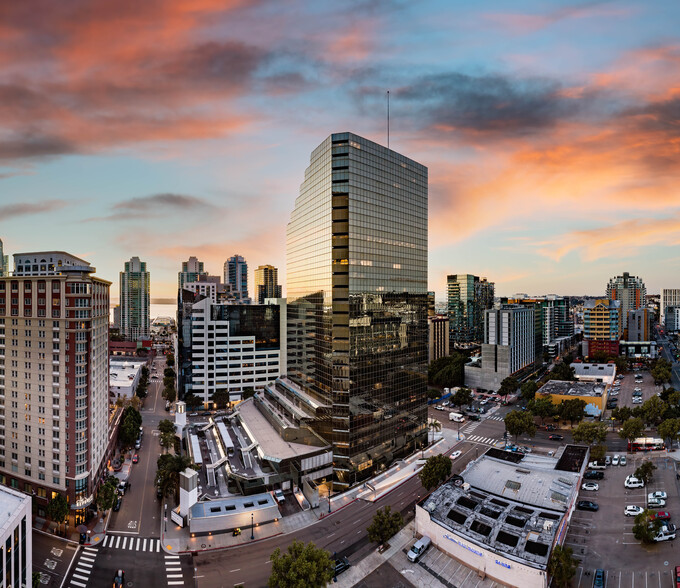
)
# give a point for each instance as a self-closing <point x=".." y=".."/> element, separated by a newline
<point x="170" y="128"/>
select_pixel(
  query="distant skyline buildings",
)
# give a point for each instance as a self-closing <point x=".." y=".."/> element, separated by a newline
<point x="266" y="283"/>
<point x="135" y="300"/>
<point x="236" y="275"/>
<point x="468" y="297"/>
<point x="4" y="261"/>
<point x="191" y="270"/>
<point x="630" y="291"/>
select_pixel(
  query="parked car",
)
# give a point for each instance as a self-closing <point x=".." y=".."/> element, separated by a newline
<point x="456" y="454"/>
<point x="607" y="460"/>
<point x="278" y="495"/>
<point x="550" y="427"/>
<point x="556" y="437"/>
<point x="623" y="461"/>
<point x="587" y="505"/>
<point x="662" y="515"/>
<point x="665" y="533"/>
<point x="118" y="504"/>
<point x="418" y="548"/>
<point x="206" y="413"/>
<point x="677" y="576"/>
<point x="341" y="564"/>
<point x="592" y="486"/>
<point x="615" y="460"/>
<point x="135" y="458"/>
<point x="633" y="482"/>
<point x="658" y="494"/>
<point x="593" y="475"/>
<point x="599" y="579"/>
<point x="82" y="538"/>
<point x="656" y="503"/>
<point x="193" y="414"/>
<point x="632" y="510"/>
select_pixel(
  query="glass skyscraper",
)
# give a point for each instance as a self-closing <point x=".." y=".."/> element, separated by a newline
<point x="468" y="299"/>
<point x="358" y="300"/>
<point x="135" y="283"/>
<point x="236" y="275"/>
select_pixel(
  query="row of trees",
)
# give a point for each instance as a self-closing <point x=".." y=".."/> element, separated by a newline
<point x="129" y="427"/>
<point x="143" y="384"/>
<point x="447" y="371"/>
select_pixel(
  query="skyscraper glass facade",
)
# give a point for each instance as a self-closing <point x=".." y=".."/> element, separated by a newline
<point x="468" y="299"/>
<point x="357" y="300"/>
<point x="135" y="283"/>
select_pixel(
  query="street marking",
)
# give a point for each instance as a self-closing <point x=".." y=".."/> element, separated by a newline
<point x="91" y="549"/>
<point x="78" y="583"/>
<point x="236" y="570"/>
<point x="174" y="575"/>
<point x="87" y="565"/>
<point x="106" y="539"/>
<point x="175" y="583"/>
<point x="85" y="578"/>
<point x="137" y="548"/>
<point x="158" y="546"/>
<point x="124" y="543"/>
<point x="117" y="542"/>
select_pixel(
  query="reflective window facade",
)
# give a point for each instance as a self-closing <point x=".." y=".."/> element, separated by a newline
<point x="358" y="300"/>
<point x="468" y="299"/>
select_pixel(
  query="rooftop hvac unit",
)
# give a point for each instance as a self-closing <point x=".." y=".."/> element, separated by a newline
<point x="547" y="526"/>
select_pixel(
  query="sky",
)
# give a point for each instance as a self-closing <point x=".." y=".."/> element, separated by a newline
<point x="169" y="128"/>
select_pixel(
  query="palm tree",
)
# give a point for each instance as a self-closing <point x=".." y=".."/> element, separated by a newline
<point x="435" y="426"/>
<point x="169" y="469"/>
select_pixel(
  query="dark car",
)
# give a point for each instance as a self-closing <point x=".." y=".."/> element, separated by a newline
<point x="587" y="505"/>
<point x="206" y="413"/>
<point x="550" y="427"/>
<point x="118" y="504"/>
<point x="82" y="538"/>
<point x="556" y="437"/>
<point x="474" y="417"/>
<point x="159" y="493"/>
<point x="593" y="475"/>
<point x="341" y="564"/>
<point x="119" y="579"/>
<point x="598" y="581"/>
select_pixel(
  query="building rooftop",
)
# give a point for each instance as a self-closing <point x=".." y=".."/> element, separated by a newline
<point x="595" y="389"/>
<point x="10" y="503"/>
<point x="123" y="373"/>
<point x="512" y="506"/>
<point x="597" y="370"/>
<point x="232" y="505"/>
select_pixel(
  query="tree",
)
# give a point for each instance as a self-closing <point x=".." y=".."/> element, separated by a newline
<point x="599" y="357"/>
<point x="192" y="401"/>
<point x="590" y="433"/>
<point x="562" y="566"/>
<point x="447" y="371"/>
<point x="571" y="410"/>
<point x="562" y="371"/>
<point x="248" y="392"/>
<point x="598" y="452"/>
<point x="518" y="422"/>
<point x="303" y="565"/>
<point x="436" y="469"/>
<point x="168" y="468"/>
<point x="386" y="523"/>
<point x="57" y="509"/>
<point x="107" y="493"/>
<point x="462" y="397"/>
<point x="130" y="422"/>
<point x="435" y="426"/>
<point x="653" y="410"/>
<point x="661" y="371"/>
<point x="621" y="364"/>
<point x="529" y="389"/>
<point x="169" y="392"/>
<point x="509" y="385"/>
<point x="168" y="372"/>
<point x="631" y="429"/>
<point x="145" y="372"/>
<point x="167" y="431"/>
<point x="221" y="398"/>
<point x="622" y="413"/>
<point x="645" y="529"/>
<point x="645" y="471"/>
<point x="542" y="407"/>
<point x="170" y="360"/>
<point x="669" y="429"/>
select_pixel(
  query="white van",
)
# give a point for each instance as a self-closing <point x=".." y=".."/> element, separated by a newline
<point x="456" y="417"/>
<point x="418" y="549"/>
<point x="597" y="465"/>
<point x="666" y="533"/>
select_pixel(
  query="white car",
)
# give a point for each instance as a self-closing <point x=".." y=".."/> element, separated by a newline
<point x="637" y="390"/>
<point x="632" y="511"/>
<point x="623" y="461"/>
<point x="656" y="503"/>
<point x="633" y="482"/>
<point x="590" y="486"/>
<point x="637" y="400"/>
<point x="615" y="460"/>
<point x="658" y="494"/>
<point x="456" y="454"/>
<point x="484" y="401"/>
<point x="278" y="494"/>
<point x="614" y="392"/>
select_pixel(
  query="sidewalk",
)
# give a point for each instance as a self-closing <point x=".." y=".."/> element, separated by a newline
<point x="179" y="540"/>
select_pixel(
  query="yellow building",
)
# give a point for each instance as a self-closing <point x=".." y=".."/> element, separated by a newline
<point x="594" y="394"/>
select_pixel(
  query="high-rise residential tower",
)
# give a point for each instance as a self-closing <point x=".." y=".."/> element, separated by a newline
<point x="236" y="275"/>
<point x="4" y="262"/>
<point x="192" y="270"/>
<point x="357" y="301"/>
<point x="468" y="298"/>
<point x="134" y="300"/>
<point x="54" y="379"/>
<point x="266" y="283"/>
<point x="602" y="326"/>
<point x="631" y="291"/>
<point x="669" y="297"/>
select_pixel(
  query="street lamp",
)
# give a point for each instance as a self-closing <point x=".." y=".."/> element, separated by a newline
<point x="252" y="526"/>
<point x="329" y="498"/>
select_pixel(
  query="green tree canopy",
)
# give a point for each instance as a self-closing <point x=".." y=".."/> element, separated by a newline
<point x="170" y="360"/>
<point x="645" y="471"/>
<point x="653" y="409"/>
<point x="168" y="468"/>
<point x="590" y="433"/>
<point x="562" y="566"/>
<point x="434" y="425"/>
<point x="385" y="524"/>
<point x="562" y="371"/>
<point x="167" y="430"/>
<point x="542" y="407"/>
<point x="302" y="566"/>
<point x="646" y="528"/>
<point x="509" y="386"/>
<point x="107" y="493"/>
<point x="518" y="422"/>
<point x="436" y="469"/>
<point x="598" y="452"/>
<point x="192" y="401"/>
<point x="529" y="389"/>
<point x="462" y="397"/>
<point x="661" y="371"/>
<point x="221" y="398"/>
<point x="447" y="371"/>
<point x="631" y="429"/>
<point x="622" y="413"/>
<point x="669" y="430"/>
<point x="57" y="508"/>
<point x="571" y="410"/>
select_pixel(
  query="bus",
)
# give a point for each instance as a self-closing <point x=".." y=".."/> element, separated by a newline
<point x="646" y="444"/>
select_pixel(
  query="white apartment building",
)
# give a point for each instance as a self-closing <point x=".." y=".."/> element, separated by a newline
<point x="54" y="390"/>
<point x="231" y="348"/>
<point x="16" y="541"/>
<point x="669" y="297"/>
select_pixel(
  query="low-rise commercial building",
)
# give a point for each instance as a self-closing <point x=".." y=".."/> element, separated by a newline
<point x="124" y="375"/>
<point x="594" y="372"/>
<point x="639" y="349"/>
<point x="506" y="514"/>
<point x="594" y="394"/>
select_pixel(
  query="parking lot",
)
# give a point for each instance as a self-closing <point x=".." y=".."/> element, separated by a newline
<point x="628" y="385"/>
<point x="604" y="539"/>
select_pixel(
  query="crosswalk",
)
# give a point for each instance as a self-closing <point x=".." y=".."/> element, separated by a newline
<point x="81" y="572"/>
<point x="495" y="418"/>
<point x="173" y="570"/>
<point x="484" y="440"/>
<point x="132" y="543"/>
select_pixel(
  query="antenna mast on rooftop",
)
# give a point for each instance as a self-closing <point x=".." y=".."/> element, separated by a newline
<point x="388" y="119"/>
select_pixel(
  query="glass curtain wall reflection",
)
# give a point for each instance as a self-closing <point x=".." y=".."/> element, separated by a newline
<point x="358" y="300"/>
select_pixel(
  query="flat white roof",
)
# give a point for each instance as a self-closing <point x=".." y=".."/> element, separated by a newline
<point x="123" y="373"/>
